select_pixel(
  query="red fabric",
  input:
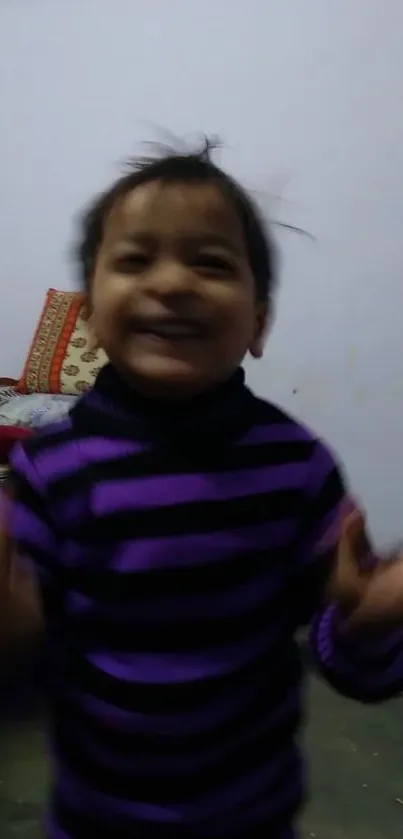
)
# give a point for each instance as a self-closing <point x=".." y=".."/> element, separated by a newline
<point x="9" y="435"/>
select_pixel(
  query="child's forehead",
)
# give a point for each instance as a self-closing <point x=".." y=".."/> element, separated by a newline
<point x="160" y="207"/>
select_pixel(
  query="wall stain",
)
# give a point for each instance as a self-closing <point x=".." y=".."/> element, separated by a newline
<point x="352" y="358"/>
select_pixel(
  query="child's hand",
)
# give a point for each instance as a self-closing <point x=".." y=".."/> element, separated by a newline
<point x="20" y="605"/>
<point x="5" y="569"/>
<point x="366" y="594"/>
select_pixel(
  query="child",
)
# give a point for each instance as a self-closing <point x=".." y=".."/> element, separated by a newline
<point x="182" y="530"/>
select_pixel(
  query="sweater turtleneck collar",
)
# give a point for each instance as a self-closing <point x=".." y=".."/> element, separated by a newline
<point x="113" y="407"/>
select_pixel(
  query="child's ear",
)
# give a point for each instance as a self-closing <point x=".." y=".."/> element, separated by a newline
<point x="88" y="316"/>
<point x="258" y="342"/>
<point x="93" y="343"/>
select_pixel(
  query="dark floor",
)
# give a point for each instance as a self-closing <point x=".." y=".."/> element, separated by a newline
<point x="356" y="757"/>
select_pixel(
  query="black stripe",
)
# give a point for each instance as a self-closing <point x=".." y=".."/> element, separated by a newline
<point x="169" y="789"/>
<point x="259" y="703"/>
<point x="161" y="462"/>
<point x="29" y="497"/>
<point x="181" y="696"/>
<point x="308" y="587"/>
<point x="191" y="518"/>
<point x="92" y="825"/>
<point x="50" y="438"/>
<point x="159" y="583"/>
<point x="81" y="825"/>
<point x="97" y="630"/>
<point x="330" y="495"/>
<point x="266" y="413"/>
<point x="328" y="498"/>
<point x="41" y="559"/>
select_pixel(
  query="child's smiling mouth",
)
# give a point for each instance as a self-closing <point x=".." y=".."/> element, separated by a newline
<point x="170" y="329"/>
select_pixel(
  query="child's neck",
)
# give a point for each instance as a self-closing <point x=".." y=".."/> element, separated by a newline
<point x="177" y="395"/>
<point x="222" y="412"/>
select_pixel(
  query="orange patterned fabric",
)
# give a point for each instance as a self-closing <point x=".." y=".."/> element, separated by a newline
<point x="61" y="358"/>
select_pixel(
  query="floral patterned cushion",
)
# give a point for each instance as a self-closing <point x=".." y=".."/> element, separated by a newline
<point x="61" y="358"/>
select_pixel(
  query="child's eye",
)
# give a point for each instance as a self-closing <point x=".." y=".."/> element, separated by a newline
<point x="214" y="265"/>
<point x="132" y="263"/>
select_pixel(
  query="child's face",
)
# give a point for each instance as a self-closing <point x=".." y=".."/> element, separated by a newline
<point x="173" y="297"/>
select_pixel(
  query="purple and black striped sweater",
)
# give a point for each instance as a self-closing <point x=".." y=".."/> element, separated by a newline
<point x="179" y="548"/>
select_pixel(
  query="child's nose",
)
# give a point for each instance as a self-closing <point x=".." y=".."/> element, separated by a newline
<point x="171" y="278"/>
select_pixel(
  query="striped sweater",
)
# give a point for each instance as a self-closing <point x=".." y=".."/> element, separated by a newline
<point x="178" y="549"/>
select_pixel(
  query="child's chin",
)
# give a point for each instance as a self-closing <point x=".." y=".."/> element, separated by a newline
<point x="170" y="375"/>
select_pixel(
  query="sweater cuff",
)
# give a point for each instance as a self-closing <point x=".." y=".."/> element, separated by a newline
<point x="365" y="663"/>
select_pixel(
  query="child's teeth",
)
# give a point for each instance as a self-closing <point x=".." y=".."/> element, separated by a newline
<point x="177" y="330"/>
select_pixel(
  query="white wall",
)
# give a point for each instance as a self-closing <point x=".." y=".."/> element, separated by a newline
<point x="307" y="94"/>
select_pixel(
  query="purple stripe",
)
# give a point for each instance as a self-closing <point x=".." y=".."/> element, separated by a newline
<point x="162" y="491"/>
<point x="22" y="465"/>
<point x="322" y="539"/>
<point x="174" y="764"/>
<point x="67" y="457"/>
<point x="176" y="551"/>
<point x="186" y="607"/>
<point x="82" y="798"/>
<point x="318" y="469"/>
<point x="224" y="708"/>
<point x="174" y="668"/>
<point x="279" y="432"/>
<point x="27" y="527"/>
<point x="328" y="529"/>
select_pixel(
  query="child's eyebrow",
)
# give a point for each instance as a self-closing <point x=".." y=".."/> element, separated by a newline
<point x="213" y="240"/>
<point x="192" y="239"/>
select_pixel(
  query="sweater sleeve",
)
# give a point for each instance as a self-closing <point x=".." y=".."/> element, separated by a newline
<point x="364" y="664"/>
<point x="29" y="524"/>
<point x="29" y="573"/>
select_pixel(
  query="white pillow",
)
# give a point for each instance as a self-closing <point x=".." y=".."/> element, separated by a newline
<point x="36" y="409"/>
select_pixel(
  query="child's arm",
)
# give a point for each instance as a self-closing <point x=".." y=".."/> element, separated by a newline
<point x="27" y="554"/>
<point x="20" y="605"/>
<point x="358" y="639"/>
<point x="354" y="644"/>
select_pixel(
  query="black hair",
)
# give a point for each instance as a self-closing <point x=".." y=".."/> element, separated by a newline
<point x="171" y="166"/>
